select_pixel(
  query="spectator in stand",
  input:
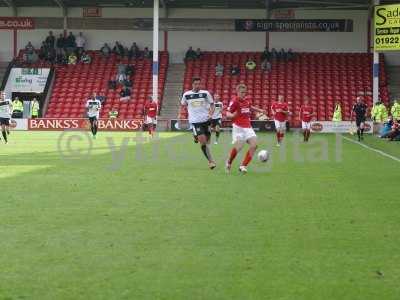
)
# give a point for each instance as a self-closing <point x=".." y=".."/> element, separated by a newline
<point x="30" y="55"/>
<point x="80" y="43"/>
<point x="60" y="44"/>
<point x="266" y="55"/>
<point x="121" y="73"/>
<point x="121" y="69"/>
<point x="198" y="53"/>
<point x="190" y="54"/>
<point x="266" y="66"/>
<point x="70" y="43"/>
<point x="29" y="49"/>
<point x="147" y="54"/>
<point x="105" y="50"/>
<point x="86" y="58"/>
<point x="72" y="59"/>
<point x="112" y="85"/>
<point x="121" y="79"/>
<point x="130" y="70"/>
<point x="125" y="94"/>
<point x="251" y="65"/>
<point x="219" y="69"/>
<point x="43" y="51"/>
<point x="290" y="54"/>
<point x="62" y="58"/>
<point x="235" y="70"/>
<point x="113" y="114"/>
<point x="119" y="50"/>
<point x="50" y="40"/>
<point x="134" y="51"/>
<point x="282" y="54"/>
<point x="128" y="83"/>
<point x="51" y="55"/>
<point x="274" y="54"/>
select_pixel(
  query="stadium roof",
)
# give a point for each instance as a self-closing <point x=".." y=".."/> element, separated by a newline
<point x="274" y="4"/>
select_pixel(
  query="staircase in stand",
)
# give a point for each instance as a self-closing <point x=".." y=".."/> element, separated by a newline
<point x="173" y="91"/>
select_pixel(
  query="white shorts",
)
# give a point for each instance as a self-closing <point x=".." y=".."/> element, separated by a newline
<point x="150" y="120"/>
<point x="242" y="134"/>
<point x="280" y="125"/>
<point x="306" y="125"/>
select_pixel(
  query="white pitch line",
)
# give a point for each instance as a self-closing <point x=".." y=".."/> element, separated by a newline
<point x="373" y="149"/>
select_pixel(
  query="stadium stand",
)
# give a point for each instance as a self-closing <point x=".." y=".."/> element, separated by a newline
<point x="75" y="83"/>
<point x="323" y="77"/>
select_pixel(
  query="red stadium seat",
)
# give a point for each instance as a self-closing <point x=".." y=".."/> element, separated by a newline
<point x="324" y="77"/>
<point x="74" y="84"/>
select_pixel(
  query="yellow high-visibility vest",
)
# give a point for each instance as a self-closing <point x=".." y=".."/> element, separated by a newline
<point x="337" y="114"/>
<point x="17" y="105"/>
<point x="395" y="111"/>
<point x="35" y="108"/>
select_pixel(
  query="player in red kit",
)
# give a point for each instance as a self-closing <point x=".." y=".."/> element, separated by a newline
<point x="280" y="112"/>
<point x="239" y="111"/>
<point x="306" y="115"/>
<point x="151" y="110"/>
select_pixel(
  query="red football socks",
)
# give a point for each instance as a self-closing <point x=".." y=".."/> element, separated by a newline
<point x="247" y="158"/>
<point x="232" y="155"/>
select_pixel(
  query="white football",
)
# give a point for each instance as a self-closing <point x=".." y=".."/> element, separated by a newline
<point x="263" y="156"/>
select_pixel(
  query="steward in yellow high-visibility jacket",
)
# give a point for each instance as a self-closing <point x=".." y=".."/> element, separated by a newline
<point x="337" y="114"/>
<point x="374" y="111"/>
<point x="382" y="113"/>
<point x="395" y="110"/>
<point x="35" y="107"/>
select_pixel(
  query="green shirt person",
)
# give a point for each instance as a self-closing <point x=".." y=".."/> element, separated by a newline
<point x="113" y="114"/>
<point x="251" y="65"/>
<point x="337" y="114"/>
<point x="35" y="108"/>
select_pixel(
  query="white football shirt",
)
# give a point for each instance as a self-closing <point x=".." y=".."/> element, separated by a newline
<point x="198" y="104"/>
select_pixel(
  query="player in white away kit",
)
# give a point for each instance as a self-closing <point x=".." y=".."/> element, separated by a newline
<point x="200" y="106"/>
<point x="216" y="120"/>
<point x="5" y="116"/>
<point x="93" y="107"/>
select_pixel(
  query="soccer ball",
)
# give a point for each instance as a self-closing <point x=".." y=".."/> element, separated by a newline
<point x="263" y="156"/>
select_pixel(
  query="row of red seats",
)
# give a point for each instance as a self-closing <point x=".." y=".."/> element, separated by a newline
<point x="324" y="78"/>
<point x="74" y="84"/>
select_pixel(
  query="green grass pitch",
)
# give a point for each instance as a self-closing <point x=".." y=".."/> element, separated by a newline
<point x="148" y="220"/>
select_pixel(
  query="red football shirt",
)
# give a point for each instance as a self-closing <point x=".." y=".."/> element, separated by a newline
<point x="306" y="112"/>
<point x="151" y="109"/>
<point x="243" y="109"/>
<point x="279" y="116"/>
